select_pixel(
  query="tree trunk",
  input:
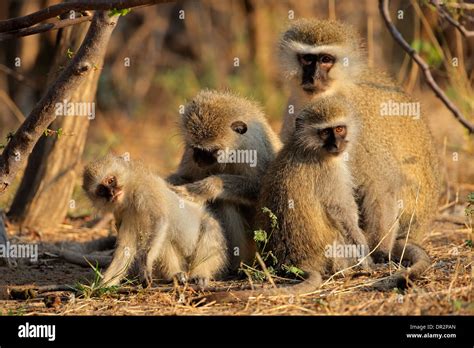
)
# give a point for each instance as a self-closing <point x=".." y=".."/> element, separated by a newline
<point x="43" y="198"/>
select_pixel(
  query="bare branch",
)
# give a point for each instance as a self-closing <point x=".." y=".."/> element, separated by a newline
<point x="41" y="28"/>
<point x="59" y="9"/>
<point x="17" y="76"/>
<point x="445" y="14"/>
<point x="88" y="58"/>
<point x="384" y="11"/>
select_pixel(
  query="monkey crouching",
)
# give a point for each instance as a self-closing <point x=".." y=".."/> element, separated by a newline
<point x="158" y="231"/>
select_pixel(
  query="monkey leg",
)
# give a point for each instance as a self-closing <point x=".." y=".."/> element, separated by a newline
<point x="172" y="263"/>
<point x="210" y="256"/>
<point x="419" y="205"/>
<point x="349" y="226"/>
<point x="147" y="261"/>
<point x="241" y="247"/>
<point x="124" y="256"/>
<point x="379" y="212"/>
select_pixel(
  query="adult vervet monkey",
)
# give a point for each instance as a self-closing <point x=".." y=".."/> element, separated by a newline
<point x="216" y="126"/>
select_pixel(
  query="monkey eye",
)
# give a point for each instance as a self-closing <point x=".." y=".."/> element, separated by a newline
<point x="326" y="59"/>
<point x="110" y="180"/>
<point x="239" y="127"/>
<point x="340" y="129"/>
<point x="306" y="59"/>
<point x="324" y="132"/>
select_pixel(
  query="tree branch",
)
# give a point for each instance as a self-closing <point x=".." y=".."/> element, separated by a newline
<point x="384" y="11"/>
<point x="445" y="14"/>
<point x="58" y="9"/>
<point x="88" y="58"/>
<point x="41" y="28"/>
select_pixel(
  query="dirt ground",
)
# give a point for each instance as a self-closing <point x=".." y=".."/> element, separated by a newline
<point x="446" y="288"/>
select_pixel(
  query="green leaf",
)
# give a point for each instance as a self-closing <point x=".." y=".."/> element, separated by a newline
<point x="469" y="243"/>
<point x="260" y="236"/>
<point x="433" y="56"/>
<point x="293" y="270"/>
<point x="59" y="132"/>
<point x="69" y="53"/>
<point x="470" y="197"/>
<point x="122" y="12"/>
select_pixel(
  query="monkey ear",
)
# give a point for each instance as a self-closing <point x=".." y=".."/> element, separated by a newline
<point x="239" y="127"/>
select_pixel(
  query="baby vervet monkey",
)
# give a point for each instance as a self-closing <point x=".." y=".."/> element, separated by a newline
<point x="309" y="188"/>
<point x="156" y="227"/>
<point x="228" y="147"/>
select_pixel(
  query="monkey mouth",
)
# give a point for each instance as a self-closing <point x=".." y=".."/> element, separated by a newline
<point x="204" y="157"/>
<point x="116" y="196"/>
<point x="309" y="88"/>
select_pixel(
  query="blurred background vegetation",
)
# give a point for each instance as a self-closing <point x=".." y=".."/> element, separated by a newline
<point x="232" y="45"/>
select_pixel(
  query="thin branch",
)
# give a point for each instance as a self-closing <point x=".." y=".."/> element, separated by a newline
<point x="58" y="9"/>
<point x="88" y="58"/>
<point x="12" y="106"/>
<point x="445" y="14"/>
<point x="384" y="11"/>
<point x="41" y="28"/>
<point x="17" y="76"/>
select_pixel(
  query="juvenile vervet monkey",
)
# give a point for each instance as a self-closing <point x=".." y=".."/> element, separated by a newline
<point x="156" y="228"/>
<point x="395" y="166"/>
<point x="216" y="126"/>
<point x="309" y="188"/>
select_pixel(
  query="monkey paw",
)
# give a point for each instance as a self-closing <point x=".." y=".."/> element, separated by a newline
<point x="146" y="279"/>
<point x="201" y="282"/>
<point x="181" y="277"/>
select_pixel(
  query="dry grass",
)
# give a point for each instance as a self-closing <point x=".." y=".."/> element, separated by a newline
<point x="446" y="288"/>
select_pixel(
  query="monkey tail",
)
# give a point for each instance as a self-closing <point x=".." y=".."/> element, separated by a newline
<point x="419" y="263"/>
<point x="311" y="283"/>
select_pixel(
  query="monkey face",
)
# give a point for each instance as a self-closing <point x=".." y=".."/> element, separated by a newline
<point x="315" y="71"/>
<point x="334" y="139"/>
<point x="205" y="149"/>
<point x="109" y="190"/>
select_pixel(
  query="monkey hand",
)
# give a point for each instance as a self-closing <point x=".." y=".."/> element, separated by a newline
<point x="207" y="189"/>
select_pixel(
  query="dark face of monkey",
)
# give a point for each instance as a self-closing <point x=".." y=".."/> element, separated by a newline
<point x="105" y="181"/>
<point x="109" y="189"/>
<point x="326" y="140"/>
<point x="315" y="71"/>
<point x="333" y="139"/>
<point x="206" y="156"/>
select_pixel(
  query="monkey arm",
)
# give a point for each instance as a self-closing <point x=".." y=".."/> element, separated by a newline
<point x="236" y="189"/>
<point x="177" y="179"/>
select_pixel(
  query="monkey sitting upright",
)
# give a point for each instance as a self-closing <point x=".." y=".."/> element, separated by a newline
<point x="395" y="165"/>
<point x="228" y="147"/>
<point x="156" y="227"/>
<point x="310" y="190"/>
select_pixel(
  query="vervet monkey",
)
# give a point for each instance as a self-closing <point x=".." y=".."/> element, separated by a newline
<point x="309" y="188"/>
<point x="156" y="228"/>
<point x="395" y="166"/>
<point x="228" y="147"/>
